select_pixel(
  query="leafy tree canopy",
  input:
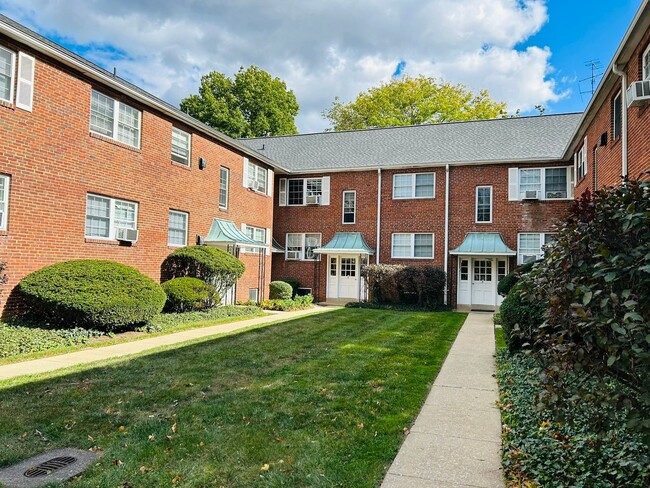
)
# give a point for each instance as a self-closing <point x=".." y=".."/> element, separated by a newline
<point x="253" y="104"/>
<point x="412" y="101"/>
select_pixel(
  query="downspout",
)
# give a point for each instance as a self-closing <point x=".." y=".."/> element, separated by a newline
<point x="446" y="233"/>
<point x="378" y="214"/>
<point x="623" y="76"/>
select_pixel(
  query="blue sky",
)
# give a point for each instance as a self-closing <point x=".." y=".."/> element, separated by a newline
<point x="524" y="52"/>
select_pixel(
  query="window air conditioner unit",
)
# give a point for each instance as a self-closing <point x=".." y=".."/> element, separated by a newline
<point x="530" y="195"/>
<point x="313" y="200"/>
<point x="638" y="93"/>
<point x="126" y="235"/>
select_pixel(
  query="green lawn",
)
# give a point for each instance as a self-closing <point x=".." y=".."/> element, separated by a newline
<point x="317" y="401"/>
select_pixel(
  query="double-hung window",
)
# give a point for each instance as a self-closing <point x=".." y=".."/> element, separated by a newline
<point x="224" y="182"/>
<point x="304" y="191"/>
<point x="257" y="177"/>
<point x="531" y="246"/>
<point x="540" y="183"/>
<point x="105" y="215"/>
<point x="177" y="228"/>
<point x="483" y="204"/>
<point x="4" y="201"/>
<point x="349" y="207"/>
<point x="7" y="71"/>
<point x="530" y="182"/>
<point x="645" y="63"/>
<point x="257" y="234"/>
<point x="412" y="246"/>
<point x="181" y="144"/>
<point x="301" y="246"/>
<point x="414" y="185"/>
<point x="114" y="119"/>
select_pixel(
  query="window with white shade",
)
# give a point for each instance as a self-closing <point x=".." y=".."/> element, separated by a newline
<point x="7" y="72"/>
<point x="540" y="183"/>
<point x="177" y="229"/>
<point x="412" y="246"/>
<point x="531" y="246"/>
<point x="114" y="119"/>
<point x="4" y="201"/>
<point x="483" y="204"/>
<point x="181" y="143"/>
<point x="414" y="185"/>
<point x="104" y="215"/>
<point x="301" y="246"/>
<point x="349" y="207"/>
<point x="224" y="182"/>
<point x="257" y="179"/>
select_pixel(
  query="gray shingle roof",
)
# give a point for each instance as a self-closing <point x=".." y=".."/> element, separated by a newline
<point x="521" y="139"/>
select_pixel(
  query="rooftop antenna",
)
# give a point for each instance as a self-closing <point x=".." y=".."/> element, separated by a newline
<point x="595" y="67"/>
<point x="114" y="71"/>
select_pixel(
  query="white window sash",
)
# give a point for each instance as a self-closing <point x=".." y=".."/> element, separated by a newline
<point x="224" y="186"/>
<point x="180" y="152"/>
<point x="117" y="108"/>
<point x="413" y="185"/>
<point x="645" y="63"/>
<point x="112" y="206"/>
<point x="12" y="76"/>
<point x="354" y="207"/>
<point x="4" y="202"/>
<point x="185" y="228"/>
<point x="476" y="212"/>
<point x="412" y="245"/>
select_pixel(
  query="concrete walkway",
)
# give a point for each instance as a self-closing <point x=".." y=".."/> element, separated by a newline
<point x="90" y="355"/>
<point x="456" y="439"/>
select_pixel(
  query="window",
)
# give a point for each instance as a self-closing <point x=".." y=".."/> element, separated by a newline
<point x="464" y="270"/>
<point x="502" y="269"/>
<point x="617" y="114"/>
<point x="256" y="177"/>
<point x="177" y="233"/>
<point x="349" y="267"/>
<point x="482" y="270"/>
<point x="333" y="266"/>
<point x="304" y="191"/>
<point x="581" y="161"/>
<point x="253" y="295"/>
<point x="414" y="185"/>
<point x="531" y="246"/>
<point x="125" y="127"/>
<point x="314" y="190"/>
<point x="224" y="181"/>
<point x="412" y="246"/>
<point x="645" y="63"/>
<point x="541" y="183"/>
<point x="349" y="207"/>
<point x="483" y="204"/>
<point x="181" y="143"/>
<point x="7" y="70"/>
<point x="301" y="246"/>
<point x="296" y="192"/>
<point x="4" y="201"/>
<point x="104" y="215"/>
<point x="257" y="234"/>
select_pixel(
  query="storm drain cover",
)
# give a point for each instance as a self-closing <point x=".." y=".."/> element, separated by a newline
<point x="51" y="466"/>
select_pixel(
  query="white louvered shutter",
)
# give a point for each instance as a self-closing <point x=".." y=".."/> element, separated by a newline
<point x="245" y="174"/>
<point x="325" y="187"/>
<point x="269" y="187"/>
<point x="25" y="92"/>
<point x="282" y="196"/>
<point x="513" y="184"/>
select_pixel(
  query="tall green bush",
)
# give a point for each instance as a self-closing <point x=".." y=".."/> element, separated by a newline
<point x="189" y="294"/>
<point x="212" y="265"/>
<point x="423" y="284"/>
<point x="280" y="290"/>
<point x="521" y="319"/>
<point x="91" y="293"/>
<point x="510" y="280"/>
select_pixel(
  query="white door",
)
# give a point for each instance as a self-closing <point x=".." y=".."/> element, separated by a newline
<point x="348" y="278"/>
<point x="333" y="277"/>
<point x="483" y="291"/>
<point x="464" y="288"/>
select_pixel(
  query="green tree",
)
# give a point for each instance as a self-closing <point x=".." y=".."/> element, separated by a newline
<point x="412" y="101"/>
<point x="253" y="104"/>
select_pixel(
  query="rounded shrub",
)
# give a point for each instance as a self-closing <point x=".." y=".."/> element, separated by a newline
<point x="280" y="290"/>
<point x="520" y="318"/>
<point x="92" y="294"/>
<point x="212" y="265"/>
<point x="189" y="294"/>
<point x="510" y="280"/>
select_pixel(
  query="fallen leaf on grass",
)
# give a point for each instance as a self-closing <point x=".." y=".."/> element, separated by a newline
<point x="266" y="467"/>
<point x="406" y="431"/>
<point x="174" y="428"/>
<point x="118" y="462"/>
<point x="152" y="437"/>
<point x="121" y="428"/>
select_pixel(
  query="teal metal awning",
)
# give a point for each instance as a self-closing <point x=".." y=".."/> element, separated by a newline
<point x="346" y="242"/>
<point x="225" y="232"/>
<point x="486" y="243"/>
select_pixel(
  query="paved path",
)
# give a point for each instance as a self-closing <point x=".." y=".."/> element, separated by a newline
<point x="90" y="355"/>
<point x="456" y="439"/>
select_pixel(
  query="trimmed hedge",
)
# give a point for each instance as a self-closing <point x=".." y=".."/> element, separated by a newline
<point x="298" y="303"/>
<point x="15" y="340"/>
<point x="92" y="294"/>
<point x="189" y="294"/>
<point x="519" y="317"/>
<point x="421" y="285"/>
<point x="280" y="290"/>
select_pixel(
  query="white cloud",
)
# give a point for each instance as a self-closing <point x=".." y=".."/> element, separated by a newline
<point x="321" y="49"/>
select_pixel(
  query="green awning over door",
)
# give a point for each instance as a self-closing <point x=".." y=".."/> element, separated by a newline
<point x="486" y="243"/>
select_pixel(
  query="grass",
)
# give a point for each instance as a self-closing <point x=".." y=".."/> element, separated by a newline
<point x="316" y="401"/>
<point x="161" y="325"/>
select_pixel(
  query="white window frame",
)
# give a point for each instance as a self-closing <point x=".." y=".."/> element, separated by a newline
<point x="581" y="162"/>
<point x="111" y="226"/>
<point x="12" y="76"/>
<point x="354" y="210"/>
<point x="188" y="136"/>
<point x="542" y="243"/>
<point x="413" y="184"/>
<point x="254" y="230"/>
<point x="223" y="170"/>
<point x="254" y="177"/>
<point x="412" y="245"/>
<point x="301" y="254"/>
<point x="542" y="184"/>
<point x="476" y="220"/>
<point x="186" y="229"/>
<point x="117" y="105"/>
<point x="617" y="135"/>
<point x="305" y="192"/>
<point x="645" y="63"/>
<point x="4" y="202"/>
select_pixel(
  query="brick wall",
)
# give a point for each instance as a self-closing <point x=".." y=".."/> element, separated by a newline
<point x="54" y="161"/>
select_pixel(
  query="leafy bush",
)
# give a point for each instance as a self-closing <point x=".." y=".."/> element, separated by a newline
<point x="567" y="448"/>
<point x="424" y="284"/>
<point x="212" y="265"/>
<point x="15" y="340"/>
<point x="508" y="281"/>
<point x="596" y="279"/>
<point x="280" y="290"/>
<point x="189" y="294"/>
<point x="287" y="305"/>
<point x="295" y="284"/>
<point x="92" y="294"/>
<point x="519" y="318"/>
<point x="3" y="276"/>
<point x="169" y="321"/>
<point x="379" y="278"/>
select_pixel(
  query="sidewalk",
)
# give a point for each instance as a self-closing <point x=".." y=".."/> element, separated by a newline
<point x="90" y="355"/>
<point x="456" y="439"/>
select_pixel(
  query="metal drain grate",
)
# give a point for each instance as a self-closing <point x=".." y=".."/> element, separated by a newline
<point x="49" y="466"/>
